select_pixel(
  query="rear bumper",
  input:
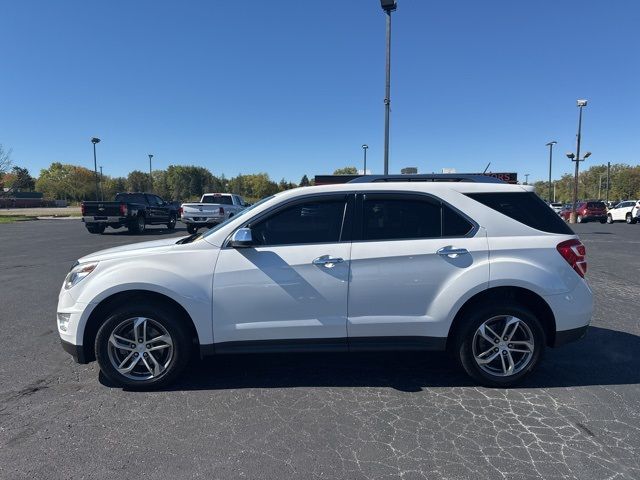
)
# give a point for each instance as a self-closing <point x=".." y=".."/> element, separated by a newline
<point x="98" y="219"/>
<point x="76" y="351"/>
<point x="593" y="218"/>
<point x="201" y="220"/>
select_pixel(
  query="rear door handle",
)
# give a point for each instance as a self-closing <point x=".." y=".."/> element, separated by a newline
<point x="327" y="261"/>
<point x="452" y="252"/>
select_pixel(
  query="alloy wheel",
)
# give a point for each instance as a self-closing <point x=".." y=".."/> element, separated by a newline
<point x="140" y="348"/>
<point x="503" y="346"/>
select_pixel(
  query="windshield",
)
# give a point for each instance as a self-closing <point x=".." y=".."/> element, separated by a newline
<point x="200" y="236"/>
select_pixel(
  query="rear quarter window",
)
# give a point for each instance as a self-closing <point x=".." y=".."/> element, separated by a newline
<point x="526" y="208"/>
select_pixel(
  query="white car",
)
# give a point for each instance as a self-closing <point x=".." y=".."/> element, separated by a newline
<point x="486" y="271"/>
<point x="556" y="207"/>
<point x="626" y="211"/>
<point x="213" y="208"/>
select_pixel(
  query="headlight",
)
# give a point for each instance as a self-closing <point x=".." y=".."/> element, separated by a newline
<point x="77" y="273"/>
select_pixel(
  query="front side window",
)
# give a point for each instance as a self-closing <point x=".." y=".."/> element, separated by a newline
<point x="314" y="221"/>
<point x="390" y="217"/>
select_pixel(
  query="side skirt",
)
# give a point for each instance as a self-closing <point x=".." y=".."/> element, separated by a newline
<point x="312" y="345"/>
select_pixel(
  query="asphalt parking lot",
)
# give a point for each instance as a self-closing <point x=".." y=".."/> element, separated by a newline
<point x="356" y="416"/>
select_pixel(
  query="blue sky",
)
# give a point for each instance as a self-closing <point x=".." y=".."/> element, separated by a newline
<point x="297" y="86"/>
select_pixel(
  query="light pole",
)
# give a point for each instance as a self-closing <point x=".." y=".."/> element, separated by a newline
<point x="364" y="150"/>
<point x="101" y="187"/>
<point x="600" y="183"/>
<point x="550" y="145"/>
<point x="388" y="6"/>
<point x="150" y="178"/>
<point x="576" y="158"/>
<point x="95" y="140"/>
<point x="526" y="178"/>
<point x="608" y="178"/>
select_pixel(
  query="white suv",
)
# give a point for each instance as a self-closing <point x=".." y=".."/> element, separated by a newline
<point x="486" y="271"/>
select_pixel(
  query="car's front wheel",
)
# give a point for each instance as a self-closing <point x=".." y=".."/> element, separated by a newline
<point x="499" y="345"/>
<point x="142" y="346"/>
<point x="609" y="219"/>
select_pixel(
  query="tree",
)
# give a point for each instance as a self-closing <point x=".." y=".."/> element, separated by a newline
<point x="137" y="181"/>
<point x="5" y="160"/>
<point x="66" y="182"/>
<point x="21" y="179"/>
<point x="346" y="171"/>
<point x="304" y="181"/>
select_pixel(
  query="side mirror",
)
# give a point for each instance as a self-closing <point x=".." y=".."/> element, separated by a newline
<point x="241" y="238"/>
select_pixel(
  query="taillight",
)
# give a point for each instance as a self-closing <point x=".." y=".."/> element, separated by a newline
<point x="221" y="211"/>
<point x="123" y="210"/>
<point x="82" y="209"/>
<point x="574" y="252"/>
<point x="180" y="212"/>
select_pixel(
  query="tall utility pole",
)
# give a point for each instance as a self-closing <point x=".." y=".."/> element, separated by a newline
<point x="95" y="140"/>
<point x="608" y="178"/>
<point x="364" y="149"/>
<point x="101" y="186"/>
<point x="576" y="158"/>
<point x="388" y="6"/>
<point x="550" y="145"/>
<point x="526" y="178"/>
<point x="150" y="177"/>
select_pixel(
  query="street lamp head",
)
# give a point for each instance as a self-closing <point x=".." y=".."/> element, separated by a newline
<point x="571" y="155"/>
<point x="388" y="5"/>
<point x="553" y="142"/>
<point x="365" y="146"/>
<point x="587" y="155"/>
<point x="95" y="140"/>
<point x="150" y="156"/>
<point x="582" y="103"/>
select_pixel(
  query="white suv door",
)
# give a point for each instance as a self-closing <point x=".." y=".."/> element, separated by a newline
<point x="408" y="251"/>
<point x="292" y="283"/>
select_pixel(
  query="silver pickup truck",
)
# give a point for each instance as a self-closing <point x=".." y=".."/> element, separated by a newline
<point x="214" y="208"/>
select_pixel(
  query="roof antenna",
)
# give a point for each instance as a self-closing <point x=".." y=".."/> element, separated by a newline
<point x="486" y="168"/>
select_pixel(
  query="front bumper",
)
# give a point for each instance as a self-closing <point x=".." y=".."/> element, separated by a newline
<point x="76" y="351"/>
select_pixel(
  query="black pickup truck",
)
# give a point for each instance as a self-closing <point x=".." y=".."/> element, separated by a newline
<point x="131" y="210"/>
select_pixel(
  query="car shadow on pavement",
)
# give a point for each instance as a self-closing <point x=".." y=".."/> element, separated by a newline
<point x="603" y="357"/>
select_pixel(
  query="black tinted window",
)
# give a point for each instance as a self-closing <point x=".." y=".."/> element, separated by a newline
<point x="400" y="218"/>
<point x="310" y="222"/>
<point x="595" y="205"/>
<point x="454" y="224"/>
<point x="525" y="207"/>
<point x="131" y="198"/>
<point x="218" y="199"/>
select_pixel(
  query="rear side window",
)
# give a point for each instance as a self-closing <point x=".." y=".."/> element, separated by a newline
<point x="400" y="218"/>
<point x="526" y="208"/>
<point x="595" y="205"/>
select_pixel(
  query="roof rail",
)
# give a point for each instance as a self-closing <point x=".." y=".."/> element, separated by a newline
<point x="429" y="177"/>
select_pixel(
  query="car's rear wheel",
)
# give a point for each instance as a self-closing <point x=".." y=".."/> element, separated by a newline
<point x="603" y="220"/>
<point x="172" y="222"/>
<point x="499" y="345"/>
<point x="629" y="219"/>
<point x="142" y="346"/>
<point x="138" y="225"/>
<point x="579" y="219"/>
<point x="609" y="219"/>
<point x="192" y="229"/>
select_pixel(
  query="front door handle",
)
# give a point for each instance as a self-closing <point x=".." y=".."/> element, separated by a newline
<point x="452" y="252"/>
<point x="327" y="261"/>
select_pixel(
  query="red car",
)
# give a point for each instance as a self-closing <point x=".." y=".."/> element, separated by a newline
<point x="587" y="212"/>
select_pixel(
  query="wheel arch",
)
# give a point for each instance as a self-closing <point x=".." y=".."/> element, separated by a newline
<point x="115" y="300"/>
<point x="522" y="296"/>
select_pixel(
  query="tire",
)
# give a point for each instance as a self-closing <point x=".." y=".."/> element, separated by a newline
<point x="603" y="220"/>
<point x="172" y="222"/>
<point x="162" y="364"/>
<point x="629" y="219"/>
<point x="138" y="225"/>
<point x="579" y="219"/>
<point x="470" y="344"/>
<point x="96" y="228"/>
<point x="609" y="219"/>
<point x="192" y="229"/>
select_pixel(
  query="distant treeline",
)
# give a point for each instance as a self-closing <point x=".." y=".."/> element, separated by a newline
<point x="178" y="182"/>
<point x="624" y="183"/>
